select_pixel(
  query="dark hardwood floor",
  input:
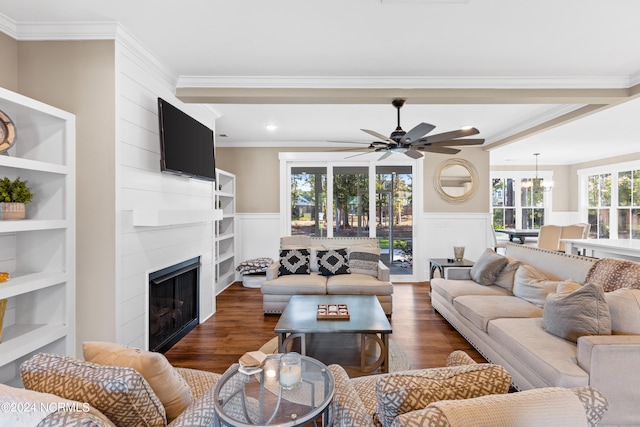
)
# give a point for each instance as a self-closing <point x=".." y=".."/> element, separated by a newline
<point x="239" y="325"/>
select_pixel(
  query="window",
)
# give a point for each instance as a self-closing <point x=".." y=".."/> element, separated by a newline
<point x="309" y="201"/>
<point x="328" y="195"/>
<point x="599" y="205"/>
<point x="629" y="205"/>
<point x="518" y="200"/>
<point x="503" y="200"/>
<point x="610" y="200"/>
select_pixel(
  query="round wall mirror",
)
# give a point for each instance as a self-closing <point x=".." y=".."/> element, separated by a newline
<point x="456" y="180"/>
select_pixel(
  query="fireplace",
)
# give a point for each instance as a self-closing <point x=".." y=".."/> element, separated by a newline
<point x="173" y="303"/>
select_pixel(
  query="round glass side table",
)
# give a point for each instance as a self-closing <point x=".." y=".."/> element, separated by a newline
<point x="255" y="398"/>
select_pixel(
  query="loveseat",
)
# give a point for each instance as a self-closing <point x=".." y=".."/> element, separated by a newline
<point x="522" y="319"/>
<point x="319" y="266"/>
<point x="462" y="394"/>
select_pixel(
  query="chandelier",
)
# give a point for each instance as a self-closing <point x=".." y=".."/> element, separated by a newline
<point x="546" y="184"/>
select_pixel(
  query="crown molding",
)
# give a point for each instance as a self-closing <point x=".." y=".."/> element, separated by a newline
<point x="38" y="31"/>
<point x="8" y="26"/>
<point x="323" y="82"/>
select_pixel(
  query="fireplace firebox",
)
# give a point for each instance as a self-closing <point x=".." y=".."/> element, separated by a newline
<point x="173" y="303"/>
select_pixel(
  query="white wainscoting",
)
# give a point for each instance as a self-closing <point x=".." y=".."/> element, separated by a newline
<point x="259" y="235"/>
<point x="141" y="185"/>
<point x="441" y="231"/>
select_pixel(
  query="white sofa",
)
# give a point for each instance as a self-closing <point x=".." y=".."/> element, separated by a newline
<point x="507" y="330"/>
<point x="278" y="289"/>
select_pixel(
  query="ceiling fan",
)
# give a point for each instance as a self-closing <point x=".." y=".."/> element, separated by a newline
<point x="411" y="143"/>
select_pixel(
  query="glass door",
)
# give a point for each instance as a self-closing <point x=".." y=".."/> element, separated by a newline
<point x="394" y="217"/>
<point x="309" y="201"/>
<point x="351" y="201"/>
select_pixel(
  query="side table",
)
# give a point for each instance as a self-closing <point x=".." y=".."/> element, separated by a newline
<point x="256" y="398"/>
<point x="441" y="264"/>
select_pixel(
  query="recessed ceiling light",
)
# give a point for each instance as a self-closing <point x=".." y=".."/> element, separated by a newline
<point x="467" y="127"/>
<point x="271" y="127"/>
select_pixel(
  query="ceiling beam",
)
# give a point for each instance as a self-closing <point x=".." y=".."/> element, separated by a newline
<point x="229" y="95"/>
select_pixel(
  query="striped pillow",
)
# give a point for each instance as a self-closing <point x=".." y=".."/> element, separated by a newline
<point x="364" y="260"/>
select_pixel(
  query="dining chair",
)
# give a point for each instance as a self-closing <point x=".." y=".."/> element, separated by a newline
<point x="570" y="232"/>
<point x="498" y="243"/>
<point x="549" y="237"/>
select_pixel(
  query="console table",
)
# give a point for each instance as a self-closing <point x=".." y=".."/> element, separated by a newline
<point x="616" y="248"/>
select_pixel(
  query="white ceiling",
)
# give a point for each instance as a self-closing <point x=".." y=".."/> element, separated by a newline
<point x="391" y="44"/>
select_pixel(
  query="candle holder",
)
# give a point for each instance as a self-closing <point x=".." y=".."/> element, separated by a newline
<point x="290" y="370"/>
<point x="458" y="253"/>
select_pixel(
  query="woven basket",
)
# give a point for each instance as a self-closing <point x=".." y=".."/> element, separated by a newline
<point x="12" y="211"/>
<point x="3" y="307"/>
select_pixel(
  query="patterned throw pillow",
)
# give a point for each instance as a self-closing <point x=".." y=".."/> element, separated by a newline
<point x="294" y="261"/>
<point x="172" y="390"/>
<point x="333" y="261"/>
<point x="613" y="273"/>
<point x="364" y="260"/>
<point x="405" y="392"/>
<point x="121" y="394"/>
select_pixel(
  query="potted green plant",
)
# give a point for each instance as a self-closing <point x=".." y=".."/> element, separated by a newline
<point x="14" y="195"/>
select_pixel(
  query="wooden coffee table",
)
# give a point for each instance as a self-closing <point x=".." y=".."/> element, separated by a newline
<point x="367" y="318"/>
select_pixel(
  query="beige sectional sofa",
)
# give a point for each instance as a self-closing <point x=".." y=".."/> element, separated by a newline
<point x="278" y="289"/>
<point x="509" y="330"/>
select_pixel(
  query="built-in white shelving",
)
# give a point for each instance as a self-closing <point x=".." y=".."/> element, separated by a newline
<point x="39" y="251"/>
<point x="225" y="241"/>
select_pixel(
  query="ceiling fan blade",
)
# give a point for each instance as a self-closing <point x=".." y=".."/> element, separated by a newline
<point x="359" y="154"/>
<point x="349" y="142"/>
<point x="418" y="132"/>
<point x="414" y="154"/>
<point x="385" y="155"/>
<point x="377" y="135"/>
<point x="460" y="133"/>
<point x="440" y="150"/>
<point x="349" y="149"/>
<point x="456" y="142"/>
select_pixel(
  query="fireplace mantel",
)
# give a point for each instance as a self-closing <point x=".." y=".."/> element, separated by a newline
<point x="165" y="217"/>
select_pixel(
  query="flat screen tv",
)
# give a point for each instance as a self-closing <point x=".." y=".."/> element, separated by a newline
<point x="186" y="145"/>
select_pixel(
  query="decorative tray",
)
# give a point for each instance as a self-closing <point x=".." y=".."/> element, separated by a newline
<point x="333" y="312"/>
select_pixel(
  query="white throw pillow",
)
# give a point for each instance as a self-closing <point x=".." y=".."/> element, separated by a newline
<point x="507" y="276"/>
<point x="532" y="285"/>
<point x="624" y="306"/>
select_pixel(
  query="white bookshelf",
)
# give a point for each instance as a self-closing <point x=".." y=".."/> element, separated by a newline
<point x="225" y="231"/>
<point x="39" y="251"/>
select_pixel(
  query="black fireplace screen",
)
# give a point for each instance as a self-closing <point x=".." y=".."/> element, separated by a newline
<point x="173" y="303"/>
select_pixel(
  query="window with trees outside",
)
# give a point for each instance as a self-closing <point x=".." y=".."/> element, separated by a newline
<point x="518" y="200"/>
<point x="359" y="200"/>
<point x="611" y="200"/>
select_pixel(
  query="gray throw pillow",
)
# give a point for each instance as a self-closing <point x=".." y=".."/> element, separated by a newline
<point x="582" y="312"/>
<point x="488" y="266"/>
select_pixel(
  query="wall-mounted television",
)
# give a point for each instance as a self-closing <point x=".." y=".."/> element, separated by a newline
<point x="186" y="145"/>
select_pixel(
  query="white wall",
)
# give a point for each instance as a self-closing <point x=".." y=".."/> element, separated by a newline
<point x="140" y="184"/>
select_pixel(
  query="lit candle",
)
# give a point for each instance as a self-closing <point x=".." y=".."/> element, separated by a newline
<point x="290" y="370"/>
<point x="290" y="376"/>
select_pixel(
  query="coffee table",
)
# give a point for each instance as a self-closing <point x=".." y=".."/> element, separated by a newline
<point x="367" y="318"/>
<point x="256" y="398"/>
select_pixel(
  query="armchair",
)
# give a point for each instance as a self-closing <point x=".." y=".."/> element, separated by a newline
<point x="446" y="396"/>
<point x="120" y="394"/>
